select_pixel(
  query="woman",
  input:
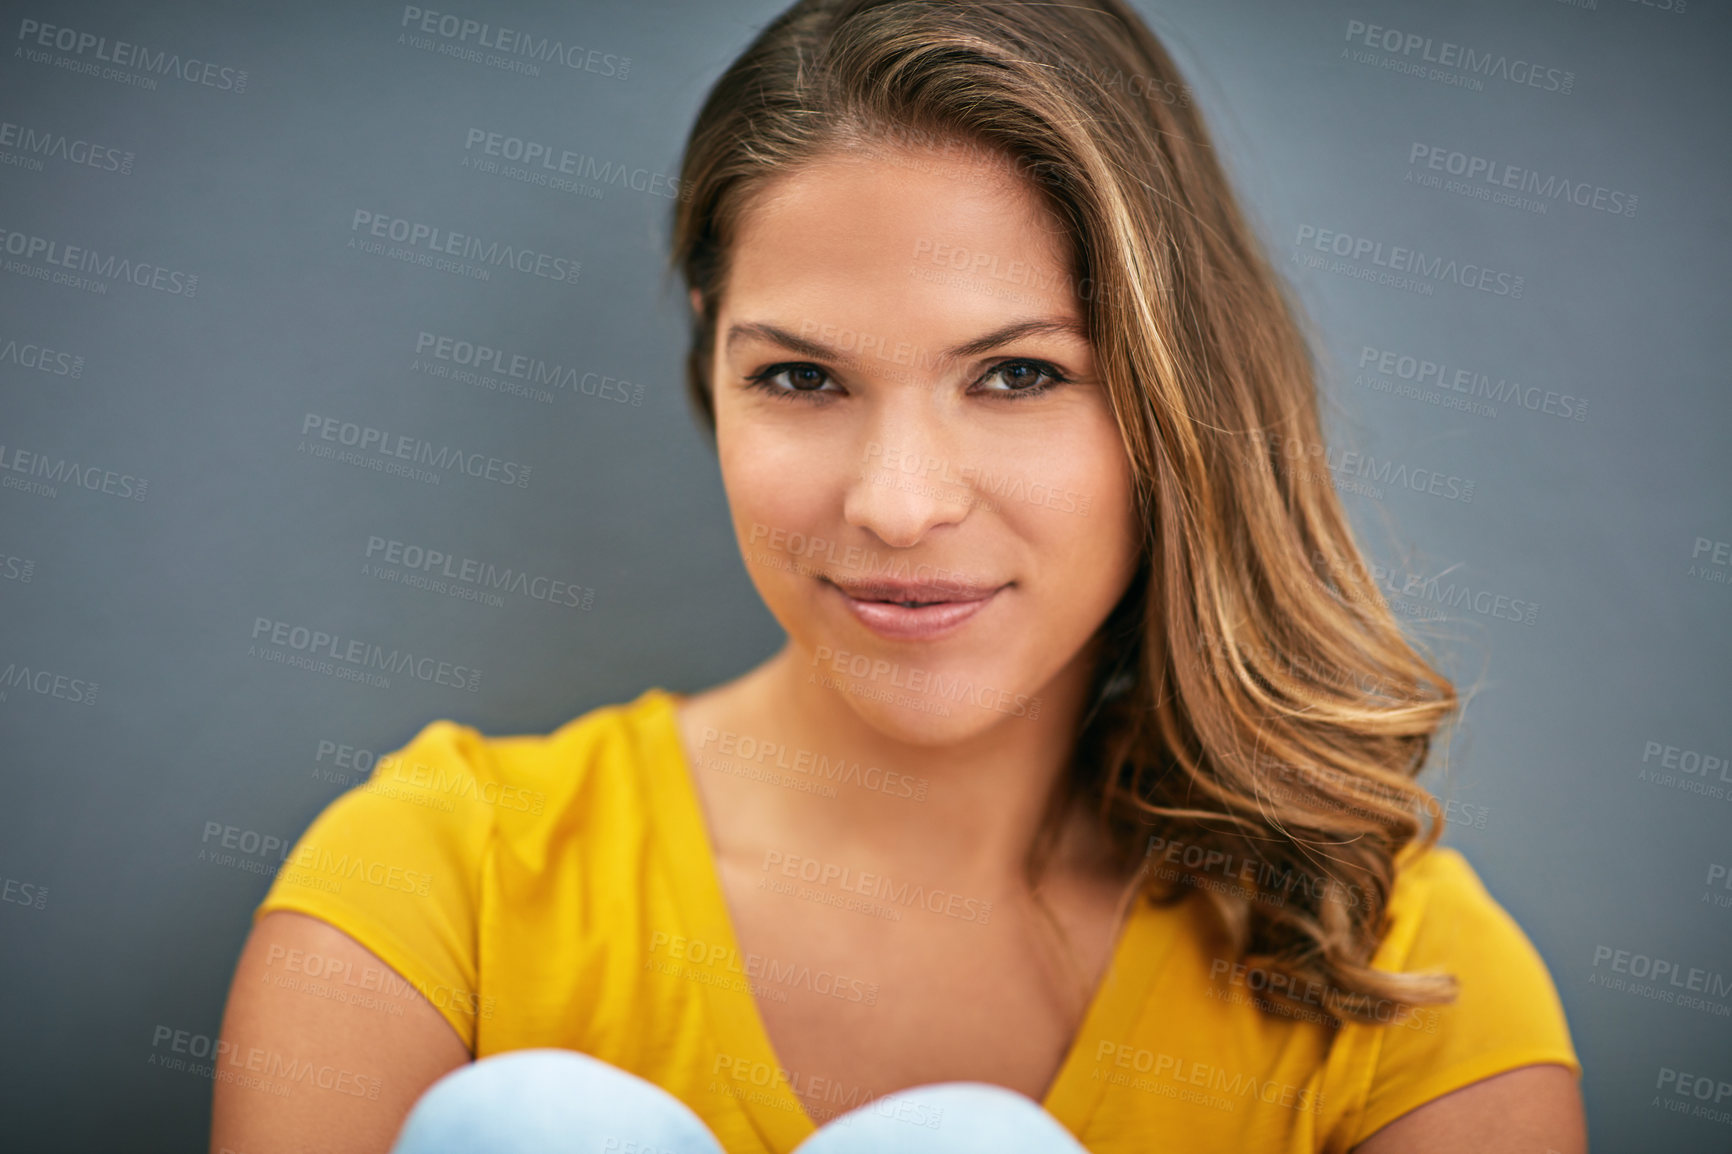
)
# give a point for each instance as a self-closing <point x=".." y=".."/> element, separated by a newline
<point x="1078" y="810"/>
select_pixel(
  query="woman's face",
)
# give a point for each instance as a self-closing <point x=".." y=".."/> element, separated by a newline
<point x="924" y="472"/>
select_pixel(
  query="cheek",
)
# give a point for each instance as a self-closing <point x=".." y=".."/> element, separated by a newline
<point x="783" y="492"/>
<point x="1080" y="503"/>
<point x="767" y="470"/>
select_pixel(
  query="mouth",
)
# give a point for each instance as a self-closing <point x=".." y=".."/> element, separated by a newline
<point x="908" y="611"/>
<point x="909" y="594"/>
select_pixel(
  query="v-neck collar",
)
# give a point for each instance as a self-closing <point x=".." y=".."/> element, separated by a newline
<point x="1142" y="948"/>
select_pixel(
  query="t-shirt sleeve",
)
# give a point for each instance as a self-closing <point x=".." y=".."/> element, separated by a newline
<point x="396" y="864"/>
<point x="1506" y="1014"/>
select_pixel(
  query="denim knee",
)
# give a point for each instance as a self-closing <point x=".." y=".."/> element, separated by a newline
<point x="550" y="1102"/>
<point x="947" y="1117"/>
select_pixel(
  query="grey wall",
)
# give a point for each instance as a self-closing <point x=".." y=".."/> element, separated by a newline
<point x="1558" y="489"/>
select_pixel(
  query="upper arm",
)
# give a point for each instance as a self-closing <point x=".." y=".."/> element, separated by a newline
<point x="310" y="1014"/>
<point x="1500" y="1048"/>
<point x="1441" y="1066"/>
<point x="359" y="984"/>
<point x="1529" y="1110"/>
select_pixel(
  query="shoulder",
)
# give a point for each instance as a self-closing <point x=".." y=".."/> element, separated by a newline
<point x="435" y="807"/>
<point x="596" y="774"/>
<point x="403" y="862"/>
<point x="1441" y="915"/>
<point x="1506" y="1013"/>
<point x="1443" y="919"/>
<point x="525" y="781"/>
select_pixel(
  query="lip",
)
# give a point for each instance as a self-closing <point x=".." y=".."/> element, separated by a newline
<point x="948" y="607"/>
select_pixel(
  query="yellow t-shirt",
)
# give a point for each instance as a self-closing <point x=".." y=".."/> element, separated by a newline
<point x="559" y="890"/>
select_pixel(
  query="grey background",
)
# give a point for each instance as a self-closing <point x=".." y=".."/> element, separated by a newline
<point x="154" y="600"/>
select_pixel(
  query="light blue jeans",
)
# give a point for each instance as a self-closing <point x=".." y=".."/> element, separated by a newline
<point x="564" y="1102"/>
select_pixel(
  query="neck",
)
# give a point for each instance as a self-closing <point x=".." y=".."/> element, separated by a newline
<point x="984" y="793"/>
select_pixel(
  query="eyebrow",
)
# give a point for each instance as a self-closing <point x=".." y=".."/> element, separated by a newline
<point x="1000" y="336"/>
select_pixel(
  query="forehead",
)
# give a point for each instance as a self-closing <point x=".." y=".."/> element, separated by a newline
<point x="890" y="234"/>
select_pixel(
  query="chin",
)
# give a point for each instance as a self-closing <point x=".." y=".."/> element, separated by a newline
<point x="924" y="720"/>
<point x="920" y="698"/>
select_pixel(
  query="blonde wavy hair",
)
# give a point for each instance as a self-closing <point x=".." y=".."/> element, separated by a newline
<point x="1256" y="701"/>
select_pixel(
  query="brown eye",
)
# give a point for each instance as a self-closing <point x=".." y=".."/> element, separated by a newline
<point x="1024" y="378"/>
<point x="802" y="380"/>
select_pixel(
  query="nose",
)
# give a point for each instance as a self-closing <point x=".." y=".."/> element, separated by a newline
<point x="907" y="484"/>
